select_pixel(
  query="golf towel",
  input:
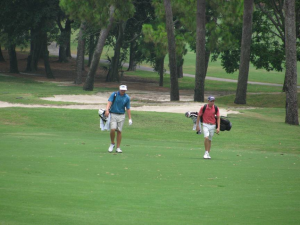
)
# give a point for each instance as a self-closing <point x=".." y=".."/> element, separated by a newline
<point x="105" y="124"/>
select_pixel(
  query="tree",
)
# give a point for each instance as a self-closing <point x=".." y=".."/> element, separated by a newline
<point x="80" y="53"/>
<point x="144" y="14"/>
<point x="241" y="92"/>
<point x="157" y="48"/>
<point x="200" y="52"/>
<point x="13" y="66"/>
<point x="98" y="12"/>
<point x="291" y="116"/>
<point x="41" y="16"/>
<point x="1" y="55"/>
<point x="102" y="12"/>
<point x="17" y="18"/>
<point x="64" y="39"/>
<point x="125" y="12"/>
<point x="174" y="90"/>
<point x="89" y="82"/>
<point x="268" y="38"/>
<point x="218" y="20"/>
<point x="115" y="62"/>
<point x="13" y="26"/>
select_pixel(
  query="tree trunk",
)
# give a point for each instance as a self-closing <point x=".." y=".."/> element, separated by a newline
<point x="132" y="60"/>
<point x="200" y="52"/>
<point x="291" y="116"/>
<point x="241" y="92"/>
<point x="91" y="48"/>
<point x="160" y="68"/>
<point x="64" y="41"/>
<point x="89" y="82"/>
<point x="13" y="62"/>
<point x="1" y="56"/>
<point x="35" y="51"/>
<point x="68" y="30"/>
<point x="284" y="87"/>
<point x="48" y="70"/>
<point x="174" y="90"/>
<point x="179" y="66"/>
<point x="80" y="54"/>
<point x="29" y="58"/>
<point x="113" y="74"/>
<point x="180" y="71"/>
<point x="207" y="56"/>
<point x="62" y="56"/>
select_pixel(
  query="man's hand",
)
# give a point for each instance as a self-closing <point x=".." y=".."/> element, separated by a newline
<point x="218" y="130"/>
<point x="106" y="113"/>
<point x="197" y="128"/>
<point x="130" y="122"/>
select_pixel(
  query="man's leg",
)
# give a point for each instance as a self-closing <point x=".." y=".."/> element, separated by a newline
<point x="119" y="138"/>
<point x="112" y="136"/>
<point x="207" y="144"/>
<point x="209" y="138"/>
<point x="119" y="132"/>
<point x="112" y="140"/>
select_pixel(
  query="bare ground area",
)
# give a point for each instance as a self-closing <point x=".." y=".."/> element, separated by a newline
<point x="145" y="94"/>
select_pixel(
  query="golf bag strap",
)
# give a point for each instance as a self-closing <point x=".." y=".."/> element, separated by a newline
<point x="216" y="109"/>
<point x="115" y="95"/>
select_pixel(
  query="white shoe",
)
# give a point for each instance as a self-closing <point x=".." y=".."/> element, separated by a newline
<point x="111" y="148"/>
<point x="119" y="150"/>
<point x="206" y="156"/>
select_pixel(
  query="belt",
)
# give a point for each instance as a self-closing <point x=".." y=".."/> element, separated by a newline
<point x="211" y="123"/>
<point x="118" y="113"/>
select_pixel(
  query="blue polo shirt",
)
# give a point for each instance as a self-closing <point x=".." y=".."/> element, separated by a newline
<point x="120" y="103"/>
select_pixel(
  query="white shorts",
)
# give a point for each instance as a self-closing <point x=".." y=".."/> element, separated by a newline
<point x="208" y="130"/>
<point x="117" y="121"/>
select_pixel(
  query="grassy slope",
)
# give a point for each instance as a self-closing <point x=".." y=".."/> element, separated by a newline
<point x="55" y="169"/>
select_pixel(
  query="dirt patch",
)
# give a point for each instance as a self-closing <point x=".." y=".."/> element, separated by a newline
<point x="145" y="94"/>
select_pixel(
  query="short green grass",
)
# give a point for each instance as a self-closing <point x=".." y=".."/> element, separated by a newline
<point x="215" y="69"/>
<point x="27" y="91"/>
<point x="55" y="169"/>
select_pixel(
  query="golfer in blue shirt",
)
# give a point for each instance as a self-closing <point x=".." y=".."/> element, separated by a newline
<point x="116" y="105"/>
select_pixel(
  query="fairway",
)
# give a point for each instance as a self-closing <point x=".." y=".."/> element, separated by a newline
<point x="147" y="68"/>
<point x="55" y="169"/>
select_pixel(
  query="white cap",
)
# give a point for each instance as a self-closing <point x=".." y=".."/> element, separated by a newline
<point x="123" y="87"/>
<point x="211" y="98"/>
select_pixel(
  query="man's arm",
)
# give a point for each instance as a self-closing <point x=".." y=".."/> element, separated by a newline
<point x="107" y="108"/>
<point x="129" y="114"/>
<point x="219" y="123"/>
<point x="197" y="123"/>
